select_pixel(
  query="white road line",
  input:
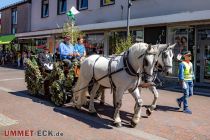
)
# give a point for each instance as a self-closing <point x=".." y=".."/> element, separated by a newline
<point x="1" y="80"/>
<point x="6" y="121"/>
<point x="6" y="89"/>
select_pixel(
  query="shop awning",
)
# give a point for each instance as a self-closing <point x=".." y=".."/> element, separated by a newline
<point x="6" y="39"/>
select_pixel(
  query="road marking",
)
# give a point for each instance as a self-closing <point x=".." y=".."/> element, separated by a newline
<point x="98" y="121"/>
<point x="6" y="89"/>
<point x="1" y="80"/>
<point x="6" y="121"/>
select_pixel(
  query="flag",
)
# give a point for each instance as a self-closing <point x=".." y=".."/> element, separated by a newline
<point x="72" y="12"/>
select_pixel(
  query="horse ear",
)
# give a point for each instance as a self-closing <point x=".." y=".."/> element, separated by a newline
<point x="172" y="46"/>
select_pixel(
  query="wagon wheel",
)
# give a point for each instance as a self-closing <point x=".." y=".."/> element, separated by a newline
<point x="58" y="97"/>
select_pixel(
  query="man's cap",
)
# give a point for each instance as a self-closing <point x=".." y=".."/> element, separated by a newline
<point x="186" y="53"/>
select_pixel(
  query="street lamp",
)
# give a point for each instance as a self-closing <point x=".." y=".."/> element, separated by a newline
<point x="128" y="17"/>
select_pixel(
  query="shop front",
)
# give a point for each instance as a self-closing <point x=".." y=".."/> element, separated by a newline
<point x="203" y="54"/>
<point x="184" y="37"/>
<point x="94" y="43"/>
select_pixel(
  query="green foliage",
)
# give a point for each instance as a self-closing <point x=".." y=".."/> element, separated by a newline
<point x="123" y="45"/>
<point x="120" y="44"/>
<point x="33" y="77"/>
<point x="72" y="31"/>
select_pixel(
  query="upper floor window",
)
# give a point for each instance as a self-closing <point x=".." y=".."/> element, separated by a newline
<point x="45" y="8"/>
<point x="82" y="4"/>
<point x="14" y="16"/>
<point x="62" y="6"/>
<point x="107" y="2"/>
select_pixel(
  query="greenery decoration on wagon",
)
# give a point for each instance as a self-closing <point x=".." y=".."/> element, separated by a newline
<point x="33" y="76"/>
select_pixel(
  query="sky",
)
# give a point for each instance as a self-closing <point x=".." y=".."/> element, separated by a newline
<point x="4" y="3"/>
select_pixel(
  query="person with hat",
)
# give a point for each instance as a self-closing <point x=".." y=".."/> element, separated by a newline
<point x="186" y="77"/>
<point x="45" y="59"/>
<point x="66" y="49"/>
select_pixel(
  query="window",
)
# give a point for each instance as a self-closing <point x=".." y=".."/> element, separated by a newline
<point x="62" y="6"/>
<point x="82" y="4"/>
<point x="45" y="8"/>
<point x="14" y="16"/>
<point x="107" y="2"/>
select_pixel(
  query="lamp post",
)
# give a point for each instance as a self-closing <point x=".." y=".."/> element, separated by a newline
<point x="128" y="17"/>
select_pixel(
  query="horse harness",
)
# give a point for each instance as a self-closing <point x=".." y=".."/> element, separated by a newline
<point x="127" y="67"/>
<point x="165" y="66"/>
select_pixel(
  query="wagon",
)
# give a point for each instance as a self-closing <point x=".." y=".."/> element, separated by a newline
<point x="55" y="85"/>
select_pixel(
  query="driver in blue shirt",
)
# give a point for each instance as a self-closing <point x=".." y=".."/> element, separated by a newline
<point x="66" y="50"/>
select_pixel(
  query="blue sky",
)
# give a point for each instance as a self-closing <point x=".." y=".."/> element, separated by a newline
<point x="4" y="3"/>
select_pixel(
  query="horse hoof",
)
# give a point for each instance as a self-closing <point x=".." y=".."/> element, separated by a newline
<point x="148" y="112"/>
<point x="133" y="124"/>
<point x="118" y="124"/>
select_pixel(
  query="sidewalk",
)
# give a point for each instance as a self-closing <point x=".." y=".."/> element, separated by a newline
<point x="173" y="85"/>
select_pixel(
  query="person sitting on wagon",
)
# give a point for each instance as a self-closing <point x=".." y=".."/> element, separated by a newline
<point x="45" y="59"/>
<point x="66" y="50"/>
<point x="79" y="49"/>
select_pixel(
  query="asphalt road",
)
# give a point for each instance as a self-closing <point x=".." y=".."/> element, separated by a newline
<point x="23" y="117"/>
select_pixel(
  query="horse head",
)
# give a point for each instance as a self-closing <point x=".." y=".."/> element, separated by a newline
<point x="165" y="57"/>
<point x="144" y="57"/>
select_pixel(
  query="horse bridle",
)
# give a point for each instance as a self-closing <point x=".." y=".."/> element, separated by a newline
<point x="144" y="73"/>
<point x="165" y="65"/>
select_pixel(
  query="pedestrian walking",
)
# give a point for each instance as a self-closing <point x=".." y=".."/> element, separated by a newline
<point x="18" y="58"/>
<point x="186" y="77"/>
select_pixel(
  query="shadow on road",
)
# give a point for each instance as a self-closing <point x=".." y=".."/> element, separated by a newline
<point x="83" y="115"/>
<point x="167" y="108"/>
<point x="37" y="99"/>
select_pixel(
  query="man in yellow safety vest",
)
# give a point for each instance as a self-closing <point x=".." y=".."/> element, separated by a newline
<point x="186" y="77"/>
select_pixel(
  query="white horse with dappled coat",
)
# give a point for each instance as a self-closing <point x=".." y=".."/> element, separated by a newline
<point x="123" y="71"/>
<point x="165" y="61"/>
<point x="163" y="64"/>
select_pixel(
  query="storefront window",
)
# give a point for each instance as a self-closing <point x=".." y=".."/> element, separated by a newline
<point x="138" y="35"/>
<point x="94" y="44"/>
<point x="185" y="39"/>
<point x="207" y="62"/>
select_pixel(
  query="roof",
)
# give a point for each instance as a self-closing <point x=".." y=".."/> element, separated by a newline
<point x="163" y="19"/>
<point x="14" y="4"/>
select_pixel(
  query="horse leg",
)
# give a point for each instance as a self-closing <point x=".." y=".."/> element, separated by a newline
<point x="92" y="96"/>
<point x="117" y="106"/>
<point x="154" y="103"/>
<point x="137" y="108"/>
<point x="102" y="102"/>
<point x="80" y="96"/>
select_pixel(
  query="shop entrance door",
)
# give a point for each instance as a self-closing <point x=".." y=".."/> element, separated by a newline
<point x="205" y="61"/>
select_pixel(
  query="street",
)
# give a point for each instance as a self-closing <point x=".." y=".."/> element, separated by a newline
<point x="24" y="117"/>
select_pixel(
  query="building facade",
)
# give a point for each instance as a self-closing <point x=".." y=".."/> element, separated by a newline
<point x="16" y="18"/>
<point x="151" y="21"/>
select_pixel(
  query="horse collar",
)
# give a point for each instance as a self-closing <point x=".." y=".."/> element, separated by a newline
<point x="128" y="68"/>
